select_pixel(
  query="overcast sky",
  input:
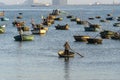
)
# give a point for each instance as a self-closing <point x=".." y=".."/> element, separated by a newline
<point x="69" y="1"/>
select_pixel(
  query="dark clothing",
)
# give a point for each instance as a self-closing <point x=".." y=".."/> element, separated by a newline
<point x="21" y="38"/>
<point x="19" y="28"/>
<point x="67" y="48"/>
<point x="66" y="52"/>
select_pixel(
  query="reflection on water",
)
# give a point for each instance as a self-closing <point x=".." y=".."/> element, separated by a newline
<point x="20" y="44"/>
<point x="66" y="68"/>
<point x="66" y="59"/>
<point x="18" y="66"/>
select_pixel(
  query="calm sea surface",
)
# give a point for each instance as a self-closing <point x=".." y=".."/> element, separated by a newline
<point x="38" y="59"/>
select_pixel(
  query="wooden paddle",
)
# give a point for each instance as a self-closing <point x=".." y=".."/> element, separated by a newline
<point x="77" y="53"/>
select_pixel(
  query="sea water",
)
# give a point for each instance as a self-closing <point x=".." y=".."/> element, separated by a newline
<point x="38" y="59"/>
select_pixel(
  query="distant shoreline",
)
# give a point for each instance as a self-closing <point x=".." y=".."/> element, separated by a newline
<point x="1" y="4"/>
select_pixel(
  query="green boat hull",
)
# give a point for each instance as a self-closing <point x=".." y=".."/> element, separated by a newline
<point x="2" y="30"/>
<point x="24" y="38"/>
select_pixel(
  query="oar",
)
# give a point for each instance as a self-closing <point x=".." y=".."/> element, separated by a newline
<point x="78" y="53"/>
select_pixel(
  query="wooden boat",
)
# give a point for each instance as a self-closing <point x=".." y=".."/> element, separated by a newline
<point x="62" y="27"/>
<point x="81" y="22"/>
<point x="4" y="19"/>
<point x="98" y="17"/>
<point x="61" y="54"/>
<point x="109" y="14"/>
<point x="116" y="36"/>
<point x="94" y="41"/>
<point x="52" y="17"/>
<point x="38" y="31"/>
<point x="20" y="13"/>
<point x="92" y="27"/>
<point x="2" y="28"/>
<point x="39" y="26"/>
<point x="91" y="18"/>
<point x="25" y="28"/>
<point x="116" y="24"/>
<point x="19" y="17"/>
<point x="47" y="23"/>
<point x="75" y="19"/>
<point x="70" y="16"/>
<point x="102" y="20"/>
<point x="1" y="31"/>
<point x="106" y="34"/>
<point x="45" y="28"/>
<point x="81" y="38"/>
<point x="48" y="20"/>
<point x="95" y="26"/>
<point x="109" y="18"/>
<point x="20" y="23"/>
<point x="118" y="19"/>
<point x="24" y="37"/>
<point x="58" y="19"/>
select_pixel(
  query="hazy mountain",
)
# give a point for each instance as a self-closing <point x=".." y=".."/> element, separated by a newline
<point x="28" y="2"/>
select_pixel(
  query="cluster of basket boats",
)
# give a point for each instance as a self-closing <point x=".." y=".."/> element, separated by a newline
<point x="43" y="27"/>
